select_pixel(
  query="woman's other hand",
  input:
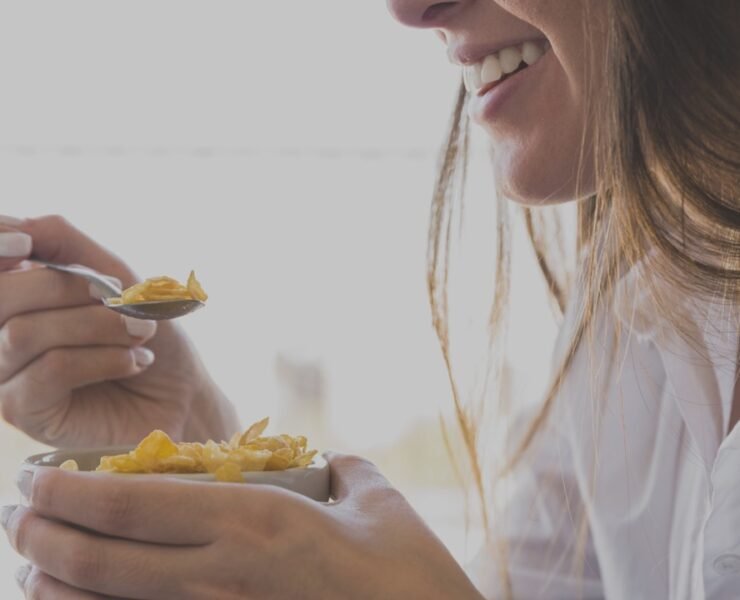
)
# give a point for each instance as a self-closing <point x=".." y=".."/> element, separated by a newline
<point x="155" y="538"/>
<point x="74" y="373"/>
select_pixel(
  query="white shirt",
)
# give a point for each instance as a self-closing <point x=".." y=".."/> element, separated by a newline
<point x="639" y="444"/>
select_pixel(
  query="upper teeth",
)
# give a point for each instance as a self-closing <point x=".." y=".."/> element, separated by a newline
<point x="507" y="60"/>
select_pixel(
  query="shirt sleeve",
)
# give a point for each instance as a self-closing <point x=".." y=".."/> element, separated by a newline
<point x="543" y="529"/>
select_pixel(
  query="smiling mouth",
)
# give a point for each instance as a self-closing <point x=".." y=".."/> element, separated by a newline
<point x="495" y="68"/>
<point x="488" y="87"/>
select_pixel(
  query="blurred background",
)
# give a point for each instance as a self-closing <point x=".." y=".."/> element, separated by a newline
<point x="286" y="151"/>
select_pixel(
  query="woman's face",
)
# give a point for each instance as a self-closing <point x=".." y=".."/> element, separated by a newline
<point x="523" y="62"/>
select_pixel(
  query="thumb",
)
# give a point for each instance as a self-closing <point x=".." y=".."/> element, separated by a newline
<point x="57" y="240"/>
<point x="354" y="477"/>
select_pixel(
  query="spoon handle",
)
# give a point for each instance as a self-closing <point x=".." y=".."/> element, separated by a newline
<point x="105" y="286"/>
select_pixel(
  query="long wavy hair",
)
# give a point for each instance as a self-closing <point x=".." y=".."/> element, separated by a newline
<point x="666" y="148"/>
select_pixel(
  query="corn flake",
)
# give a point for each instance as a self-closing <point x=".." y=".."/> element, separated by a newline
<point x="248" y="451"/>
<point x="157" y="289"/>
<point x="229" y="473"/>
<point x="195" y="289"/>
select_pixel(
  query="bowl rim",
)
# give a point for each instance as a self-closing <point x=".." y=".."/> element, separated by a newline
<point x="35" y="460"/>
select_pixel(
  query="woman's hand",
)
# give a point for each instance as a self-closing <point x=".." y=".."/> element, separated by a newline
<point x="74" y="373"/>
<point x="93" y="536"/>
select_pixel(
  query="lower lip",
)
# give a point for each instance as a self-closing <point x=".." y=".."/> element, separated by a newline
<point x="488" y="107"/>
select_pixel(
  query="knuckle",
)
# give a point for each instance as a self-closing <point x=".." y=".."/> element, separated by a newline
<point x="20" y="530"/>
<point x="53" y="365"/>
<point x="382" y="493"/>
<point x="263" y="528"/>
<point x="114" y="510"/>
<point x="54" y="221"/>
<point x="83" y="564"/>
<point x="353" y="462"/>
<point x="270" y="519"/>
<point x="369" y="483"/>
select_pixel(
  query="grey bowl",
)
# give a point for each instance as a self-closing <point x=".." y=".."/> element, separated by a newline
<point x="312" y="481"/>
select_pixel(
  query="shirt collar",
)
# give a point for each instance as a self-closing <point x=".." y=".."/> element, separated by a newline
<point x="700" y="362"/>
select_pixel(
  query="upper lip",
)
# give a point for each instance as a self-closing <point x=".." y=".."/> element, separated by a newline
<point x="469" y="54"/>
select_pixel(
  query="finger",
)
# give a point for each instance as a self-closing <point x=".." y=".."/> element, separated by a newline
<point x="25" y="337"/>
<point x="98" y="292"/>
<point x="354" y="476"/>
<point x="98" y="564"/>
<point x="40" y="289"/>
<point x="37" y="585"/>
<point x="167" y="511"/>
<point x="15" y="247"/>
<point x="48" y="381"/>
<point x="56" y="240"/>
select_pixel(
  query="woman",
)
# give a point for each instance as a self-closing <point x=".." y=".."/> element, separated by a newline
<point x="628" y="475"/>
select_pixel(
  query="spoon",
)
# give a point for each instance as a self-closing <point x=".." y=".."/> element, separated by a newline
<point x="156" y="310"/>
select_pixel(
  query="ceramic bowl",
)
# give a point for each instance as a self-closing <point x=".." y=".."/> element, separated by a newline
<point x="312" y="481"/>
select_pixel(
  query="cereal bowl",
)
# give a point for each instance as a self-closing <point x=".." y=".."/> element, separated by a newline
<point x="312" y="481"/>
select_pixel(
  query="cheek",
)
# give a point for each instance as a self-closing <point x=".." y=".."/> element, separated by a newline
<point x="545" y="140"/>
<point x="538" y="154"/>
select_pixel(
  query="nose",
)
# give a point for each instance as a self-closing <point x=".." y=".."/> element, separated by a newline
<point x="424" y="13"/>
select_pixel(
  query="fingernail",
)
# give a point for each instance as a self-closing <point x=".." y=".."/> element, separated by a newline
<point x="10" y="221"/>
<point x="22" y="574"/>
<point x="140" y="328"/>
<point x="143" y="356"/>
<point x="5" y="513"/>
<point x="24" y="482"/>
<point x="14" y="244"/>
<point x="99" y="294"/>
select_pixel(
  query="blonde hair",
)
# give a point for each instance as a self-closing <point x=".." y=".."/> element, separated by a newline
<point x="666" y="139"/>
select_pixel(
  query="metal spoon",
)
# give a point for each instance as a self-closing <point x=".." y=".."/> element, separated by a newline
<point x="156" y="310"/>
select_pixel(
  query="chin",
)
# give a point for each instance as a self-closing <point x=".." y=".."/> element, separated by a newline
<point x="534" y="181"/>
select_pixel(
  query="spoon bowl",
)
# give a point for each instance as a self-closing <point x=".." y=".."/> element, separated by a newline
<point x="154" y="311"/>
